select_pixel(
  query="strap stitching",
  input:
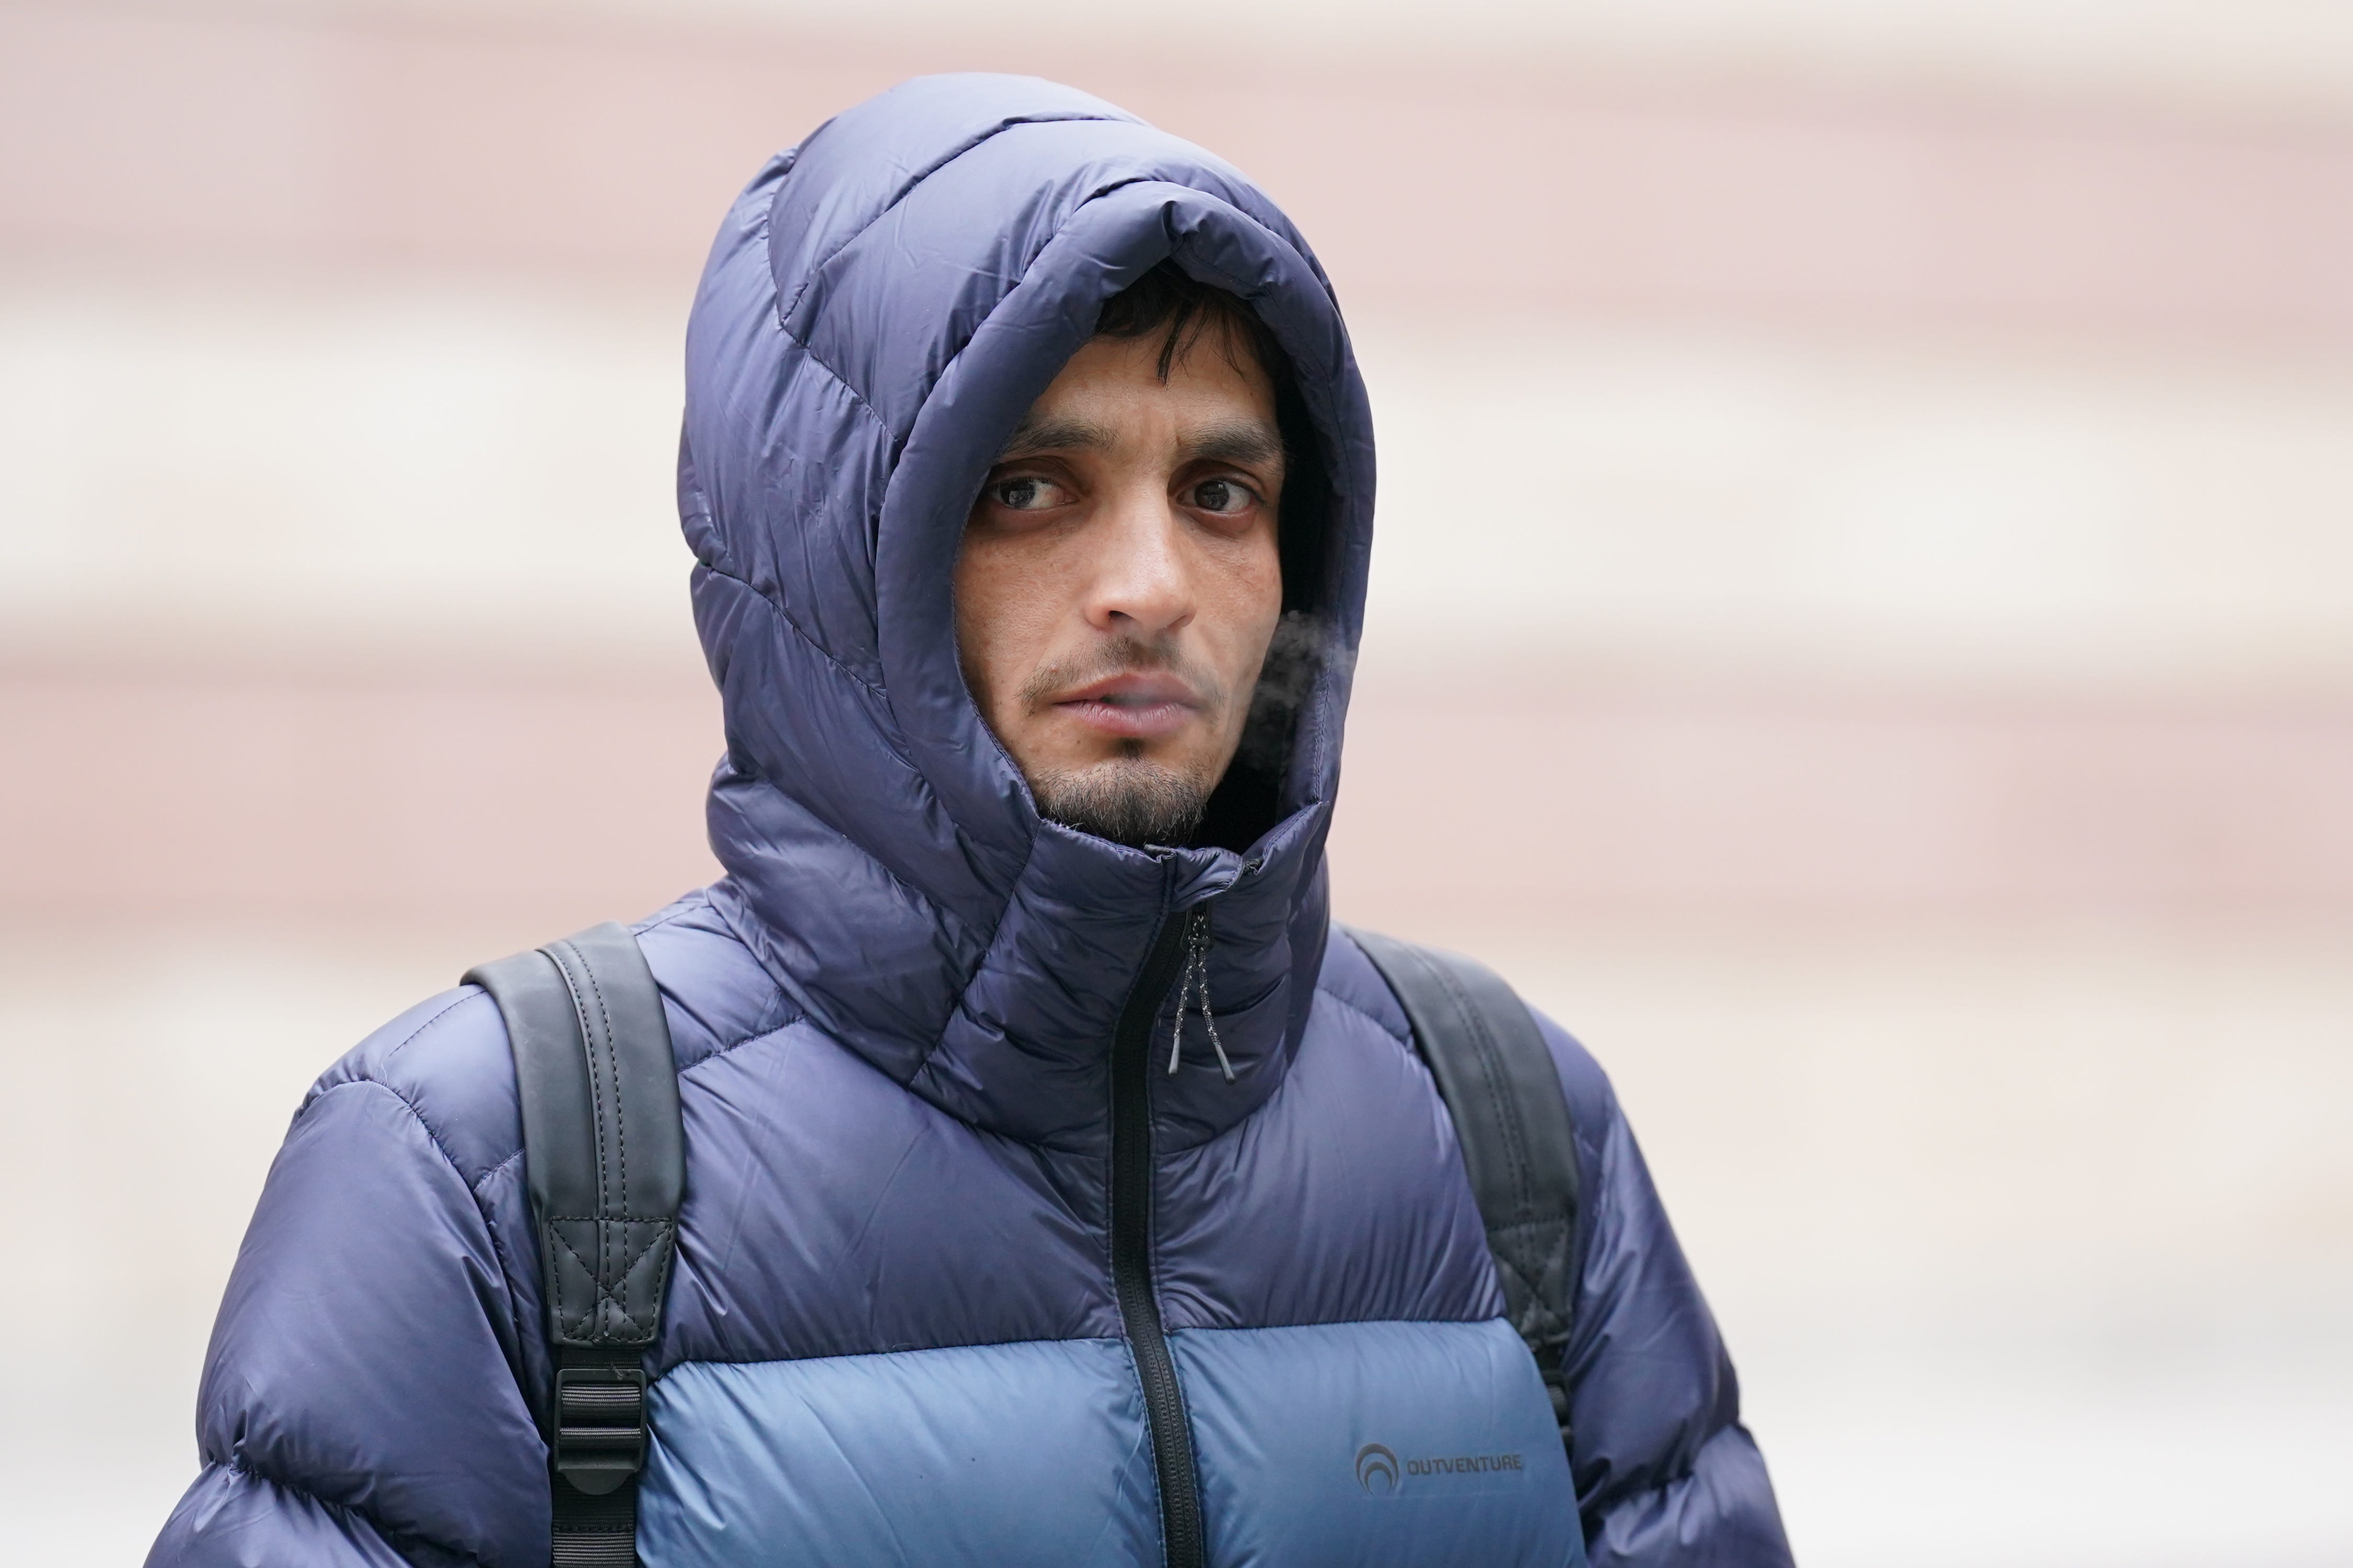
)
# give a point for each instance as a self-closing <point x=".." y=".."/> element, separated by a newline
<point x="665" y="1230"/>
<point x="613" y="1073"/>
<point x="558" y="952"/>
<point x="612" y="1076"/>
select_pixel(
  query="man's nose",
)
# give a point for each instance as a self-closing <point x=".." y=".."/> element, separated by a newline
<point x="1142" y="579"/>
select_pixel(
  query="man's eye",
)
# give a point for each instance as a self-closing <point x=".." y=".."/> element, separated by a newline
<point x="1025" y="495"/>
<point x="1221" y="496"/>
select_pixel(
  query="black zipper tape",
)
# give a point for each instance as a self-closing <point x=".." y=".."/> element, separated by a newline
<point x="1130" y="1249"/>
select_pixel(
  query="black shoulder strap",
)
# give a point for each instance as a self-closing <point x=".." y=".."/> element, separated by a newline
<point x="605" y="1156"/>
<point x="1497" y="1078"/>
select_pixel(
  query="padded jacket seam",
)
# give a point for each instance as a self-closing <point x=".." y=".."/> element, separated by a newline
<point x="786" y="615"/>
<point x="483" y="1179"/>
<point x="735" y="934"/>
<point x="1608" y="1505"/>
<point x="868" y="1355"/>
<point x="784" y="319"/>
<point x="455" y="1002"/>
<point x="473" y="1188"/>
<point x="767" y="219"/>
<point x="510" y="1266"/>
<point x="473" y="1192"/>
<point x="318" y="1092"/>
<point x="418" y="1116"/>
<point x="1404" y="1041"/>
<point x="1589" y="1192"/>
<point x="667" y="917"/>
<point x="857" y="398"/>
<point x="1077" y="1339"/>
<point x="391" y="1535"/>
<point x="822" y="1034"/>
<point x="1029" y="858"/>
<point x="807" y="1018"/>
<point x="1338" y="1323"/>
<point x="912" y="772"/>
<point x="693" y="1067"/>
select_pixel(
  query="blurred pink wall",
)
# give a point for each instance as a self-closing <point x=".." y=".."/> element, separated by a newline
<point x="145" y="139"/>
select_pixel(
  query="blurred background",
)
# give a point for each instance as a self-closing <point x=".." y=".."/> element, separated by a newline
<point x="1864" y="634"/>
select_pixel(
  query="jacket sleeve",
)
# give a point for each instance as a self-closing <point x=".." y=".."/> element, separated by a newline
<point x="1665" y="1473"/>
<point x="361" y="1401"/>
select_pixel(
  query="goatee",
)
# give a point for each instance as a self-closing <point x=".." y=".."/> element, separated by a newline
<point x="1127" y="800"/>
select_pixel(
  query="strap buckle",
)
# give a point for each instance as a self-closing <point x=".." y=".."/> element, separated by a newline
<point x="600" y="1425"/>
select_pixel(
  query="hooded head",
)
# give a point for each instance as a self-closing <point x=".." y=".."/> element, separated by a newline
<point x="883" y="304"/>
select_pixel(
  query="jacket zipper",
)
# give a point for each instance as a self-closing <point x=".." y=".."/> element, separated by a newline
<point x="1130" y="1249"/>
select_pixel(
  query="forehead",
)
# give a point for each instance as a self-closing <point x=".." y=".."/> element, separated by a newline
<point x="1116" y="383"/>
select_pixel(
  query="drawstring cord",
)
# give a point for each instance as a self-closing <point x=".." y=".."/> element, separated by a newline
<point x="1197" y="977"/>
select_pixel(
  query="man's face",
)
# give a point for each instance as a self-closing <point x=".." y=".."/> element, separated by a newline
<point x="1120" y="580"/>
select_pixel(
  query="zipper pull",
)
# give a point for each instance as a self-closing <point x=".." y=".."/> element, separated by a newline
<point x="1196" y="976"/>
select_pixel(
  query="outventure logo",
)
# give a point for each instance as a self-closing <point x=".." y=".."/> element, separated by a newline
<point x="1377" y="1462"/>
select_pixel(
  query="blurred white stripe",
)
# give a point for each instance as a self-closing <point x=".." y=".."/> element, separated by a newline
<point x="401" y="460"/>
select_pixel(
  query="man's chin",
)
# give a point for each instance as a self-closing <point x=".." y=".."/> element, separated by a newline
<point x="1126" y="800"/>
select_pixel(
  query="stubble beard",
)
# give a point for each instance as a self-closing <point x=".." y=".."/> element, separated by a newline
<point x="1126" y="799"/>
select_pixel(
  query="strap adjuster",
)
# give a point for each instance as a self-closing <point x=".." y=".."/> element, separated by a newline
<point x="600" y="1425"/>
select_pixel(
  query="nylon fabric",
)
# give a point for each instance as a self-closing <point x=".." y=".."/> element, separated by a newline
<point x="1379" y="1444"/>
<point x="905" y="1459"/>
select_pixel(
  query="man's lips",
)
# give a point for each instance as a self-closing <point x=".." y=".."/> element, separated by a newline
<point x="1141" y="706"/>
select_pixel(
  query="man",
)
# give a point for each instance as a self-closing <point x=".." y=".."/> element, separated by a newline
<point x="1061" y="1186"/>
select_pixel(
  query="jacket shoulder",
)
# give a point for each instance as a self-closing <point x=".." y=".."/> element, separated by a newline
<point x="1349" y="978"/>
<point x="715" y="995"/>
<point x="448" y="1060"/>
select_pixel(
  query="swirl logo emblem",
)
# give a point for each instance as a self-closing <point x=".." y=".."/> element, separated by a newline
<point x="1373" y="1460"/>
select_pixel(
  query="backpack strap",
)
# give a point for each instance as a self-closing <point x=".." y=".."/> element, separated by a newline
<point x="605" y="1156"/>
<point x="1519" y="1146"/>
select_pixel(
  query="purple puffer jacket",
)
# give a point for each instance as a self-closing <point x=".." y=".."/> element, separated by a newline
<point x="895" y="1331"/>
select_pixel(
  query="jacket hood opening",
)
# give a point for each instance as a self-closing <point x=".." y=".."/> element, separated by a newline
<point x="882" y="306"/>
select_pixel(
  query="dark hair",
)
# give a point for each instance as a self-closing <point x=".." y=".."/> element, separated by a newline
<point x="1171" y="299"/>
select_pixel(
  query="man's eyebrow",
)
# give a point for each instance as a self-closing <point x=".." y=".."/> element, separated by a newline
<point x="1056" y="436"/>
<point x="1244" y="443"/>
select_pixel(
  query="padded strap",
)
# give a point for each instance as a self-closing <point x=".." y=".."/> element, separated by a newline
<point x="602" y="1142"/>
<point x="605" y="1154"/>
<point x="1519" y="1147"/>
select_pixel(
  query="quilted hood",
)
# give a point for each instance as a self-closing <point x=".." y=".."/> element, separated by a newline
<point x="882" y="304"/>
